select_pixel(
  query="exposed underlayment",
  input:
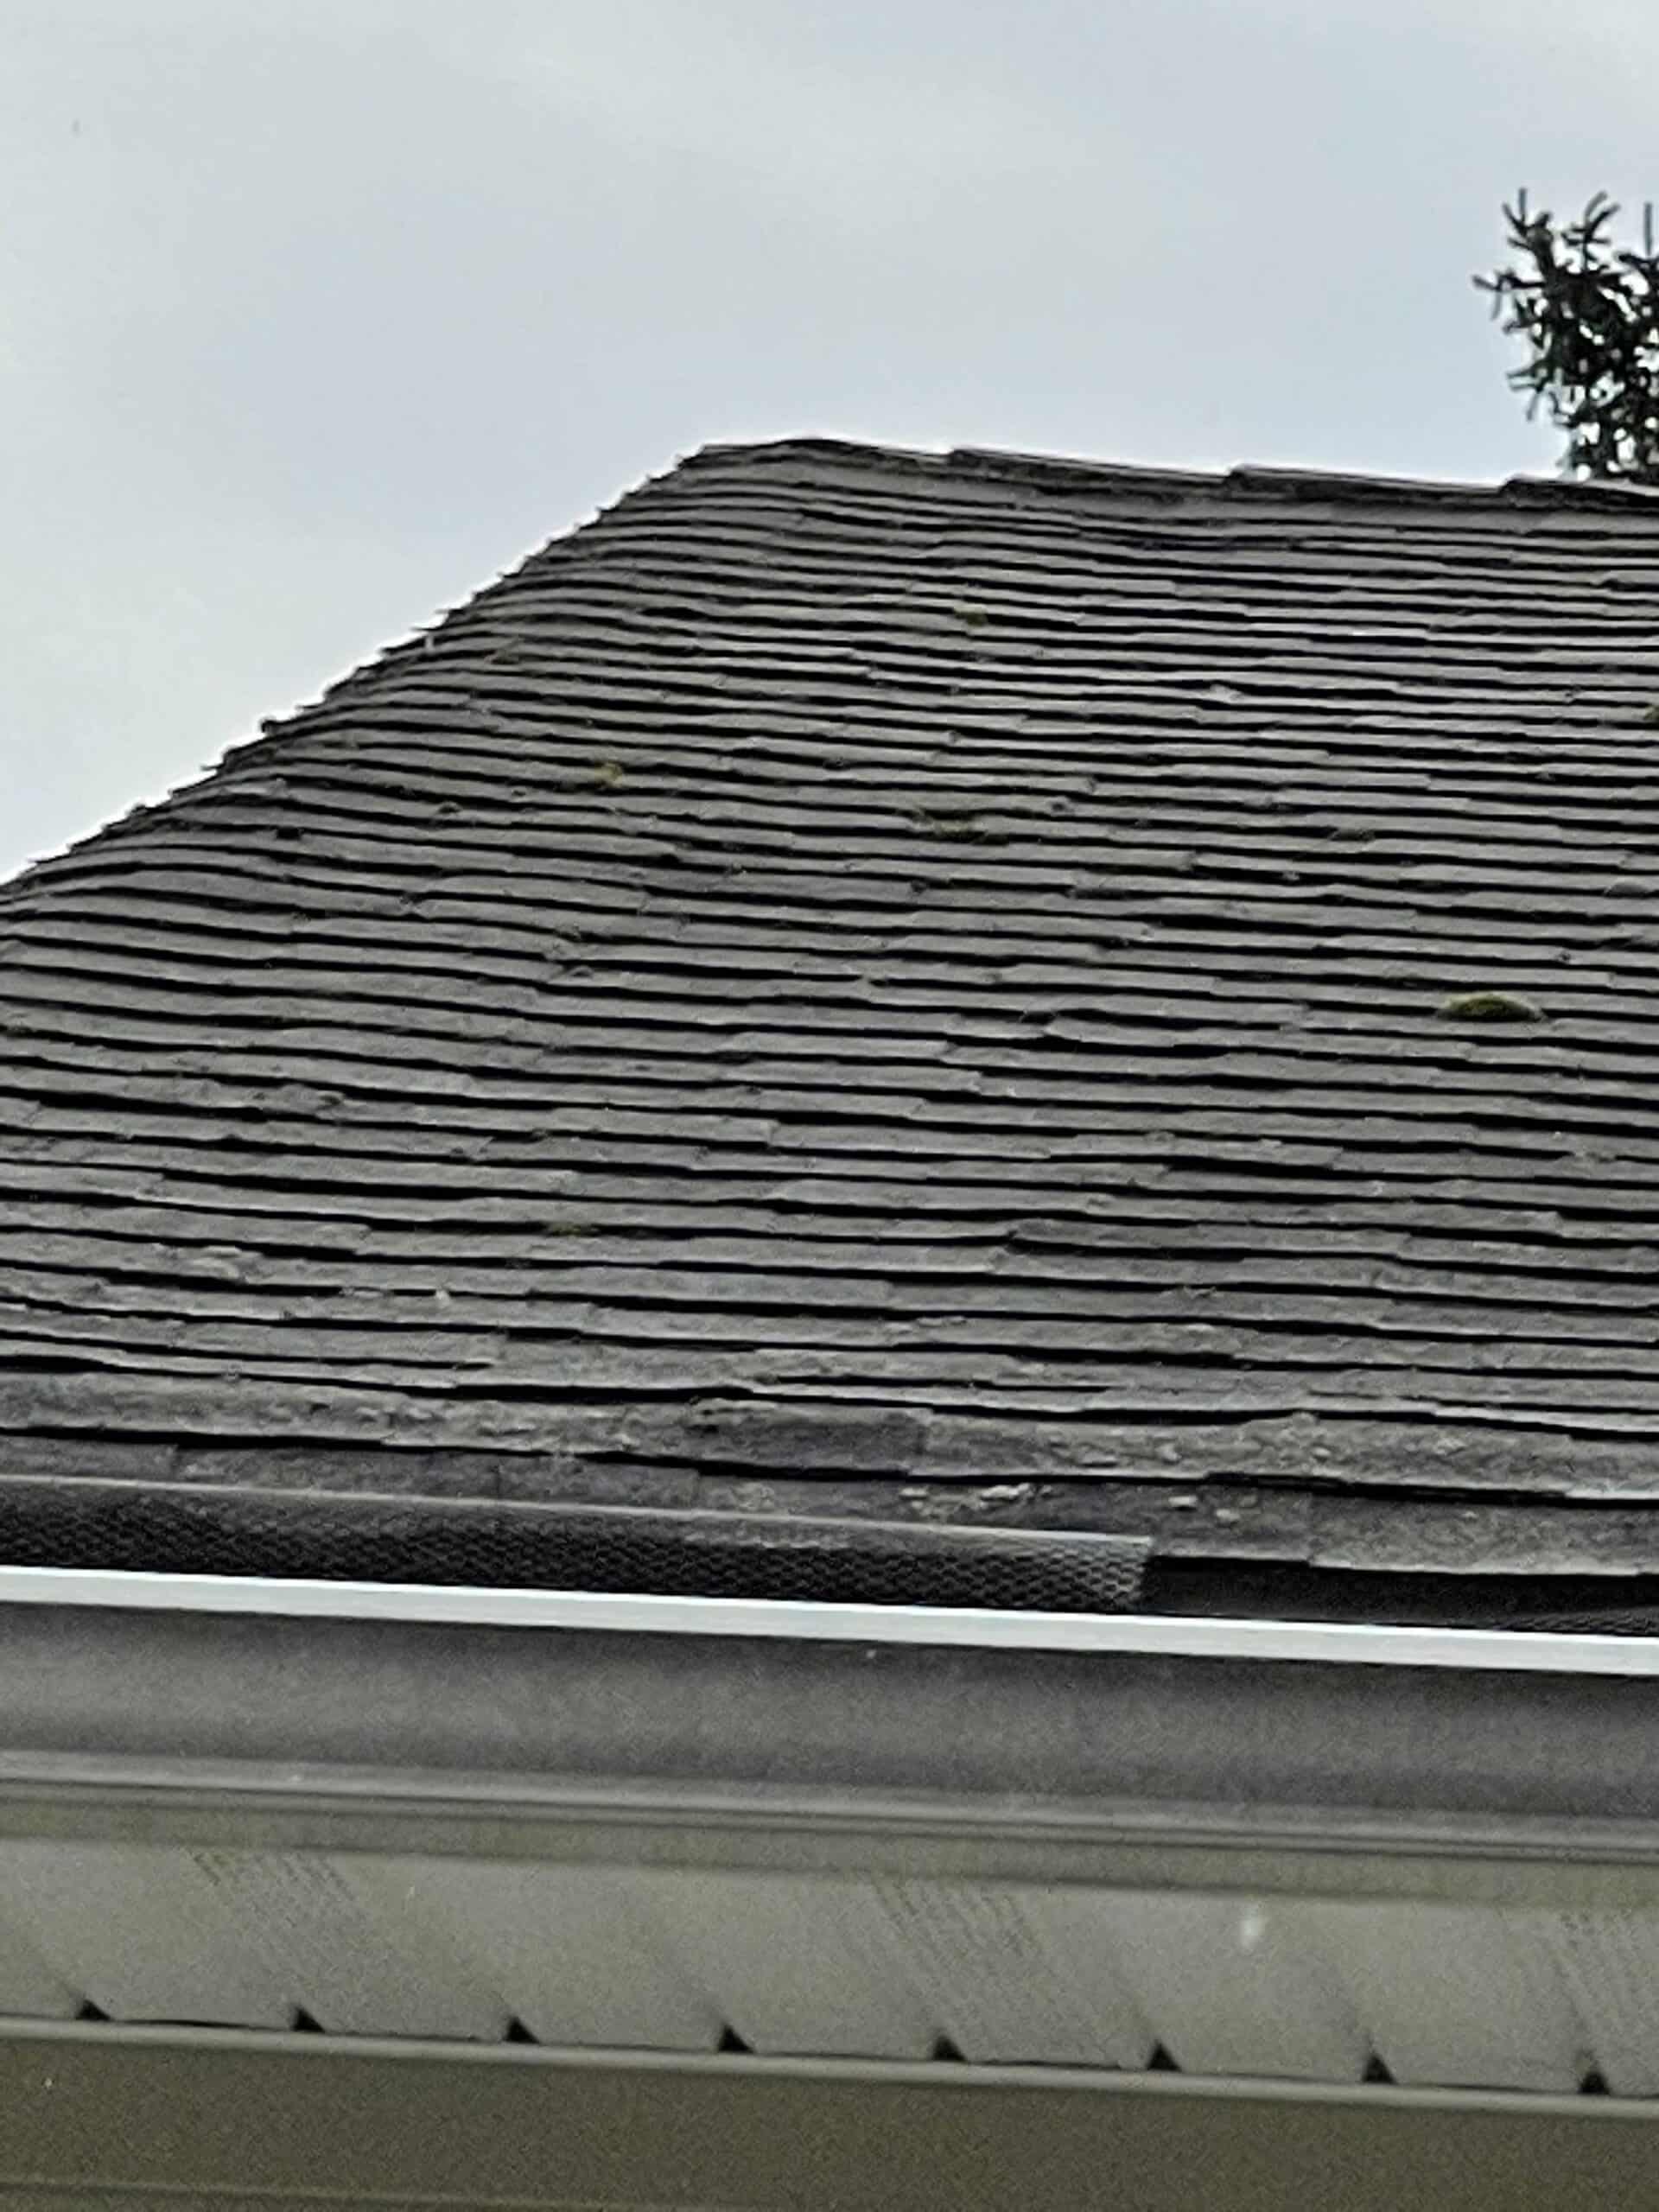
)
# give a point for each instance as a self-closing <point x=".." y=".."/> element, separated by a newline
<point x="913" y="985"/>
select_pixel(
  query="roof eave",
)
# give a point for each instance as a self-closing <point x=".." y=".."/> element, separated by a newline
<point x="1207" y="1768"/>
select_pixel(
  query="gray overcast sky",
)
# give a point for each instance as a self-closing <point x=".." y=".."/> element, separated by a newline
<point x="314" y="313"/>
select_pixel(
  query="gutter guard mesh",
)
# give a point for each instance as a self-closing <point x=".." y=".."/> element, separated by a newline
<point x="324" y="1536"/>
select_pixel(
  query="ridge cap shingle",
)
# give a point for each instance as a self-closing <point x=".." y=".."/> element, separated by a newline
<point x="1244" y="480"/>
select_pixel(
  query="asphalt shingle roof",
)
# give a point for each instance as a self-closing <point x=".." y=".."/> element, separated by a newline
<point x="859" y="971"/>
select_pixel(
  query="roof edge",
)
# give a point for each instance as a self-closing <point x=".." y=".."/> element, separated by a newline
<point x="869" y="1623"/>
<point x="598" y="1745"/>
<point x="1245" y="480"/>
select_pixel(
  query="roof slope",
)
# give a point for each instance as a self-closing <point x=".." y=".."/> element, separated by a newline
<point x="879" y="967"/>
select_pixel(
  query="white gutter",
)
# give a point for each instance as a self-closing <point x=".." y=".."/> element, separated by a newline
<point x="1137" y="1752"/>
<point x="1351" y="1643"/>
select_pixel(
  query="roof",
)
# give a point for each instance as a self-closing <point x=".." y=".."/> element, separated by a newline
<point x="902" y="985"/>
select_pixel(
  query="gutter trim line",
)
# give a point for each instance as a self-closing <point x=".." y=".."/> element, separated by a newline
<point x="1175" y="1636"/>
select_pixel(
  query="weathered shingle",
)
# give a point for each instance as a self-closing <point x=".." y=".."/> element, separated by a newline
<point x="871" y="967"/>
